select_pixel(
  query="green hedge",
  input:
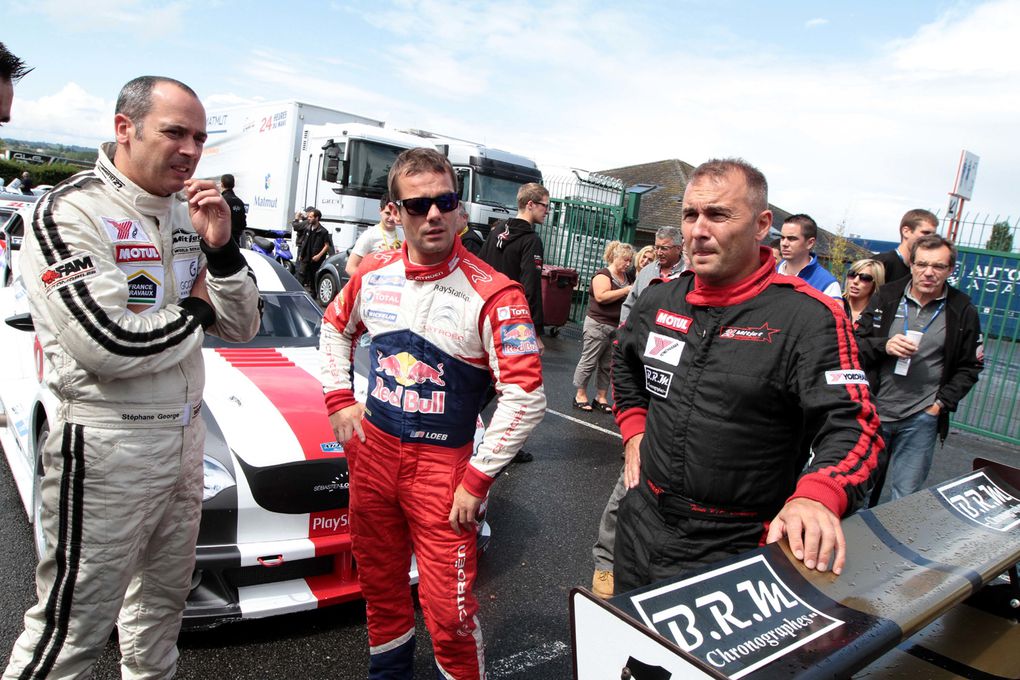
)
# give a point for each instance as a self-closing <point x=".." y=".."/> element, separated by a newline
<point x="41" y="174"/>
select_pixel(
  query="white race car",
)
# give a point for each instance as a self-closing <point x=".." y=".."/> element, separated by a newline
<point x="274" y="536"/>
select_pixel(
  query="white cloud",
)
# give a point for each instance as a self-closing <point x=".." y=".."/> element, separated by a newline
<point x="70" y="116"/>
<point x="145" y="17"/>
<point x="980" y="44"/>
<point x="814" y="23"/>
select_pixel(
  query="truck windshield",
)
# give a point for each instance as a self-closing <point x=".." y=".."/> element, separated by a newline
<point x="370" y="166"/>
<point x="494" y="190"/>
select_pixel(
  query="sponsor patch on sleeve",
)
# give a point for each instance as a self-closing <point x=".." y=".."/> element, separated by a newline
<point x="518" y="338"/>
<point x="66" y="272"/>
<point x="145" y="291"/>
<point x="847" y="377"/>
<point x="657" y="382"/>
<point x="512" y="312"/>
<point x="664" y="349"/>
<point x="673" y="321"/>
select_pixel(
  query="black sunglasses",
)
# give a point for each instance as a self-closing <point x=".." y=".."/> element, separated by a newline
<point x="866" y="278"/>
<point x="422" y="204"/>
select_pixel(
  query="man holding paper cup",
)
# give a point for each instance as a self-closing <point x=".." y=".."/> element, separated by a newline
<point x="921" y="344"/>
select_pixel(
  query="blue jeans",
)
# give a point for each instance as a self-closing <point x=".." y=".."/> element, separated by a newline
<point x="911" y="446"/>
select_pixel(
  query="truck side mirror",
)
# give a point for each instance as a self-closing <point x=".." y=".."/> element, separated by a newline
<point x="331" y="162"/>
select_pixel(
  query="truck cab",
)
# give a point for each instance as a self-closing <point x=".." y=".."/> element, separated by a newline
<point x="343" y="171"/>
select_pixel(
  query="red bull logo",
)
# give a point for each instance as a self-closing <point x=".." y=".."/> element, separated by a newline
<point x="409" y="401"/>
<point x="407" y="370"/>
<point x="518" y="339"/>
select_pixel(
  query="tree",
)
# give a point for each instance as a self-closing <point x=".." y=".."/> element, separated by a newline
<point x="839" y="251"/>
<point x="1001" y="238"/>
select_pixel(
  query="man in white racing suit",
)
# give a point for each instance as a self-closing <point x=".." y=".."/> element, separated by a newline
<point x="125" y="277"/>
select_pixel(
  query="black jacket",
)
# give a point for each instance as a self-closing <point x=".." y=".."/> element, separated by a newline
<point x="963" y="359"/>
<point x="731" y="386"/>
<point x="238" y="218"/>
<point x="514" y="249"/>
<point x="895" y="267"/>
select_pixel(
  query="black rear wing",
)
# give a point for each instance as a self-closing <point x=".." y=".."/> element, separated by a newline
<point x="929" y="557"/>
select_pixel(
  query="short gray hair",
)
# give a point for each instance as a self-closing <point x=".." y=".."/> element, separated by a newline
<point x="717" y="168"/>
<point x="672" y="233"/>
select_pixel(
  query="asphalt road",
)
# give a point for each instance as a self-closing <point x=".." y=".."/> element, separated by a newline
<point x="544" y="516"/>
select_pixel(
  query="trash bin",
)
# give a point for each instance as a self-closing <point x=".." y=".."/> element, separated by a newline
<point x="558" y="285"/>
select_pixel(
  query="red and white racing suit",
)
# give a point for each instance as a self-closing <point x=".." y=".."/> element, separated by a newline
<point x="440" y="335"/>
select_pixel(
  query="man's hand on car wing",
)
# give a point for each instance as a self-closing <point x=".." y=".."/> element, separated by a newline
<point x="813" y="532"/>
<point x="347" y="422"/>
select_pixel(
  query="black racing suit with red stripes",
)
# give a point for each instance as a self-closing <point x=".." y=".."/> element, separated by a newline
<point x="747" y="396"/>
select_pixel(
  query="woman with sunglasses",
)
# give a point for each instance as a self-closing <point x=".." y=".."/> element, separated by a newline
<point x="862" y="282"/>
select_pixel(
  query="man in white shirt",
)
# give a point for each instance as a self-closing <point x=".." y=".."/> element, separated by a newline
<point x="387" y="235"/>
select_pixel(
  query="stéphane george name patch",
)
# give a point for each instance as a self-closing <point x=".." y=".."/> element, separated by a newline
<point x="518" y="338"/>
<point x="64" y="273"/>
<point x="664" y="349"/>
<point x="848" y="377"/>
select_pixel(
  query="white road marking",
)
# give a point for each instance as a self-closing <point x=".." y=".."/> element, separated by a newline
<point x="586" y="424"/>
<point x="529" y="658"/>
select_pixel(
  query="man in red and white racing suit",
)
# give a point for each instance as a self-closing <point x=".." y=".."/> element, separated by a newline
<point x="443" y="325"/>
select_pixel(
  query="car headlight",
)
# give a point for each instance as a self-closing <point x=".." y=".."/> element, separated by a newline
<point x="217" y="478"/>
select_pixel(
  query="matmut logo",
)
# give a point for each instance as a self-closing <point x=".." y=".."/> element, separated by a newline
<point x="136" y="253"/>
<point x="676" y="322"/>
<point x="760" y="334"/>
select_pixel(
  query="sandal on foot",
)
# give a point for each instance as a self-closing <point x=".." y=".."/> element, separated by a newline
<point x="601" y="406"/>
<point x="582" y="405"/>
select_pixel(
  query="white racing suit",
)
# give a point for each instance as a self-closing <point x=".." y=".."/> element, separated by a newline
<point x="109" y="269"/>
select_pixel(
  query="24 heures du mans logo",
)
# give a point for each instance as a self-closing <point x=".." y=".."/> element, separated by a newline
<point x="736" y="618"/>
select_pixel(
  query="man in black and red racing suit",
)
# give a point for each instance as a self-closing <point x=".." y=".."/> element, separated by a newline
<point x="443" y="324"/>
<point x="744" y="412"/>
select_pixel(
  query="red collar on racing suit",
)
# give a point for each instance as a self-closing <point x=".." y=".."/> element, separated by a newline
<point x="723" y="296"/>
<point x="431" y="272"/>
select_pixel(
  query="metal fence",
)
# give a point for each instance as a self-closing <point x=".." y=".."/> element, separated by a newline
<point x="585" y="213"/>
<point x="988" y="269"/>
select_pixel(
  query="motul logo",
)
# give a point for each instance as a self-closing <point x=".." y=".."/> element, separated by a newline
<point x="673" y="321"/>
<point x="143" y="253"/>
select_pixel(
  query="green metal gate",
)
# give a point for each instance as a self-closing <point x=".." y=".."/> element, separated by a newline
<point x="988" y="269"/>
<point x="586" y="211"/>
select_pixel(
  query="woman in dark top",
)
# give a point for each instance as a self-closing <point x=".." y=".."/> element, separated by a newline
<point x="862" y="282"/>
<point x="608" y="289"/>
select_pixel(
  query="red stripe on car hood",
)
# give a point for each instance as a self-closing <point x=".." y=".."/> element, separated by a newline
<point x="298" y="397"/>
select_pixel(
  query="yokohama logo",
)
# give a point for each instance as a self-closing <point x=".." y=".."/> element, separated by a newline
<point x="673" y="321"/>
<point x="143" y="253"/>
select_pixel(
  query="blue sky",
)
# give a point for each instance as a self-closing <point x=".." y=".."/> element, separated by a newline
<point x="856" y="112"/>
